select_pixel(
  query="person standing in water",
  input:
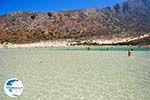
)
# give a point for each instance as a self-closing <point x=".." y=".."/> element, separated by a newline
<point x="129" y="53"/>
<point x="88" y="48"/>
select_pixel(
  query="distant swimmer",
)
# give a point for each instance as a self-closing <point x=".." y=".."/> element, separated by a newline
<point x="88" y="48"/>
<point x="129" y="53"/>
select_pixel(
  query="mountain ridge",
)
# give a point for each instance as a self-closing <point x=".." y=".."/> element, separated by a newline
<point x="132" y="17"/>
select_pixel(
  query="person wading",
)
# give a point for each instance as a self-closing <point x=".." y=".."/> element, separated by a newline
<point x="129" y="53"/>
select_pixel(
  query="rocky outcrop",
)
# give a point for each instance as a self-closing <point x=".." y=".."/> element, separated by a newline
<point x="131" y="17"/>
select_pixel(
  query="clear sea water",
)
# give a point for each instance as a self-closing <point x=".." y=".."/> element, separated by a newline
<point x="74" y="73"/>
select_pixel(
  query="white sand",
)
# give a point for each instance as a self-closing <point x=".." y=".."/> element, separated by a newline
<point x="36" y="44"/>
<point x="63" y="43"/>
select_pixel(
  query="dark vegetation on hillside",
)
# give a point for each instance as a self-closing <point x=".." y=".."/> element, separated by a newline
<point x="132" y="17"/>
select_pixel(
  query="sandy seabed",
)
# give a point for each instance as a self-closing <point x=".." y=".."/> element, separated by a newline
<point x="76" y="75"/>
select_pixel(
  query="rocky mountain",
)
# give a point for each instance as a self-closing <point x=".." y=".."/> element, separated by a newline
<point x="128" y="19"/>
<point x="133" y="15"/>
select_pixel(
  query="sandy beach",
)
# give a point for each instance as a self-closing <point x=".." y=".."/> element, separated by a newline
<point x="65" y="43"/>
<point x="36" y="44"/>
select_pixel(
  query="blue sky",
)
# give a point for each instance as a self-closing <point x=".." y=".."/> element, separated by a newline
<point x="7" y="6"/>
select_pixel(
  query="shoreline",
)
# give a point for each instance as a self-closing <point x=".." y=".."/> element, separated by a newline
<point x="36" y="44"/>
<point x="69" y="42"/>
<point x="61" y="44"/>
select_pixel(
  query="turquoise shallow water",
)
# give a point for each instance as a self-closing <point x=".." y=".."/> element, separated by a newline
<point x="77" y="74"/>
<point x="101" y="48"/>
